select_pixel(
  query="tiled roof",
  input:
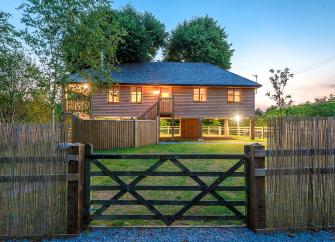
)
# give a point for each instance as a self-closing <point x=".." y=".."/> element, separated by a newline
<point x="175" y="73"/>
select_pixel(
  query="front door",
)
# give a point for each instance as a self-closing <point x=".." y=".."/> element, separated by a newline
<point x="190" y="128"/>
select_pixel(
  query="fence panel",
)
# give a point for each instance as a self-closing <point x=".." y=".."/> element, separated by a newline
<point x="300" y="173"/>
<point x="32" y="180"/>
<point x="146" y="132"/>
<point x="111" y="134"/>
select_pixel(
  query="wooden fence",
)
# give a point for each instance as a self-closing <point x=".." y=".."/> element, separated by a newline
<point x="111" y="134"/>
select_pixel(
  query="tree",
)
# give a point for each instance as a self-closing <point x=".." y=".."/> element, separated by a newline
<point x="93" y="42"/>
<point x="279" y="81"/>
<point x="201" y="39"/>
<point x="145" y="35"/>
<point x="47" y="22"/>
<point x="20" y="80"/>
<point x="325" y="99"/>
<point x="8" y="34"/>
<point x="19" y="76"/>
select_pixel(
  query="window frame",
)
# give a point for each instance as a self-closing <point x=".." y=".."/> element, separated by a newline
<point x="200" y="100"/>
<point x="109" y="91"/>
<point x="234" y="90"/>
<point x="136" y="91"/>
<point x="166" y="88"/>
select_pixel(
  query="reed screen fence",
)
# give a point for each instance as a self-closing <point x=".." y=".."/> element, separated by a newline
<point x="32" y="180"/>
<point x="300" y="174"/>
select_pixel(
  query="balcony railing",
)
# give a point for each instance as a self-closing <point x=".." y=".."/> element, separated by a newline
<point x="78" y="106"/>
<point x="166" y="105"/>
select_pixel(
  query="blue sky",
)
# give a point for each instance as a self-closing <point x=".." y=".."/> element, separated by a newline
<point x="299" y="34"/>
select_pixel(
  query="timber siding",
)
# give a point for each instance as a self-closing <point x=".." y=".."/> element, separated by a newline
<point x="216" y="105"/>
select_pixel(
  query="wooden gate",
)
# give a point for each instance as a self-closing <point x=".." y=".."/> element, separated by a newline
<point x="99" y="165"/>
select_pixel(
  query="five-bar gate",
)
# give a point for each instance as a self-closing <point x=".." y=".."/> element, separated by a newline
<point x="99" y="165"/>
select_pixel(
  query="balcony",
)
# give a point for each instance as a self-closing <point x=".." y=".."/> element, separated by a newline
<point x="166" y="106"/>
<point x="77" y="106"/>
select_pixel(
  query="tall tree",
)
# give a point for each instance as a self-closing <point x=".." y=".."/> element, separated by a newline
<point x="201" y="39"/>
<point x="145" y="35"/>
<point x="93" y="42"/>
<point x="8" y="34"/>
<point x="20" y="78"/>
<point x="46" y="24"/>
<point x="279" y="80"/>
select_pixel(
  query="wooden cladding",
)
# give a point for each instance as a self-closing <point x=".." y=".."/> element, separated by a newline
<point x="111" y="134"/>
<point x="216" y="105"/>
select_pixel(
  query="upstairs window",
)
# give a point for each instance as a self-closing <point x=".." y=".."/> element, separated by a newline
<point x="234" y="95"/>
<point x="114" y="94"/>
<point x="136" y="94"/>
<point x="199" y="95"/>
<point x="165" y="92"/>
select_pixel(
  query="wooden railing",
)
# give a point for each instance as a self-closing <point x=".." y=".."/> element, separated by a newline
<point x="151" y="113"/>
<point x="166" y="105"/>
<point x="260" y="132"/>
<point x="75" y="106"/>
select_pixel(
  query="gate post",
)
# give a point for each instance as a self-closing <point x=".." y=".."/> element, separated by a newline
<point x="87" y="185"/>
<point x="75" y="181"/>
<point x="255" y="187"/>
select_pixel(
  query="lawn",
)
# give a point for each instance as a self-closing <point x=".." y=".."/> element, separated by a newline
<point x="223" y="147"/>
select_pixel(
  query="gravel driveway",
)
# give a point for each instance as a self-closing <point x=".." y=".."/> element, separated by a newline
<point x="195" y="234"/>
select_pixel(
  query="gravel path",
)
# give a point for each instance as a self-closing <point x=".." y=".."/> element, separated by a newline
<point x="195" y="234"/>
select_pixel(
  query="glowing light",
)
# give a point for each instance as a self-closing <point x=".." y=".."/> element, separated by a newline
<point x="156" y="92"/>
<point x="86" y="86"/>
<point x="237" y="118"/>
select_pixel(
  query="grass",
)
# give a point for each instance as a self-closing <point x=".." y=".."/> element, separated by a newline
<point x="224" y="147"/>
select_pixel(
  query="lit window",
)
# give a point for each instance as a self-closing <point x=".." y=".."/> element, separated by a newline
<point x="114" y="94"/>
<point x="165" y="92"/>
<point x="136" y="94"/>
<point x="234" y="95"/>
<point x="199" y="95"/>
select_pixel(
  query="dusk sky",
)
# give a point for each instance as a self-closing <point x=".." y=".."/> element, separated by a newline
<point x="265" y="34"/>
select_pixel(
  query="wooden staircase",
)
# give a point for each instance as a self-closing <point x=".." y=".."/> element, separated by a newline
<point x="164" y="107"/>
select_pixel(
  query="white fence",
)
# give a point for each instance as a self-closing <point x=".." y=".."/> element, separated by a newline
<point x="218" y="131"/>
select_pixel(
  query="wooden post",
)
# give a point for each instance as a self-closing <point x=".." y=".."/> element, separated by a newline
<point x="172" y="127"/>
<point x="262" y="132"/>
<point x="200" y="128"/>
<point x="255" y="187"/>
<point x="226" y="127"/>
<point x="135" y="133"/>
<point x="158" y="126"/>
<point x="75" y="185"/>
<point x="252" y="128"/>
<point x="87" y="185"/>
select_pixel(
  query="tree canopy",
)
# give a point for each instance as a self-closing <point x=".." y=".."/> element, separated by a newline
<point x="145" y="35"/>
<point x="20" y="78"/>
<point x="93" y="41"/>
<point x="201" y="39"/>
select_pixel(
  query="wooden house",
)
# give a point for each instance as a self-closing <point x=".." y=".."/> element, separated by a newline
<point x="189" y="92"/>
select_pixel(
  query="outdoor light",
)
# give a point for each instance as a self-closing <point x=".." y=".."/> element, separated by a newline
<point x="237" y="118"/>
<point x="156" y="92"/>
<point x="86" y="86"/>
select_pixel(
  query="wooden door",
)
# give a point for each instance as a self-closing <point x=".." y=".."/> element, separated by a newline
<point x="190" y="128"/>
